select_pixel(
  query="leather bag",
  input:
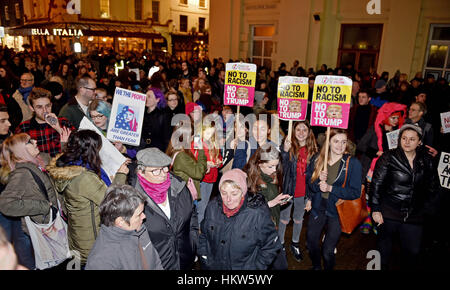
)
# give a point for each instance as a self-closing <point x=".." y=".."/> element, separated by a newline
<point x="351" y="212"/>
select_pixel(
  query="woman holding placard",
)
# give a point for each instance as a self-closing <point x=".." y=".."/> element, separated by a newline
<point x="402" y="188"/>
<point x="295" y="154"/>
<point x="340" y="180"/>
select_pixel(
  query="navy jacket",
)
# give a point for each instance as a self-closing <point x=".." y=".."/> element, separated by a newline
<point x="352" y="189"/>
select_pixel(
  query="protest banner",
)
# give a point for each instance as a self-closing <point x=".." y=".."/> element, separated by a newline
<point x="127" y="115"/>
<point x="445" y="121"/>
<point x="331" y="104"/>
<point x="240" y="82"/>
<point x="331" y="101"/>
<point x="292" y="98"/>
<point x="444" y="170"/>
<point x="392" y="138"/>
<point x="111" y="158"/>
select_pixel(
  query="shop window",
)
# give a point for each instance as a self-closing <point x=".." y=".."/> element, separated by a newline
<point x="6" y="13"/>
<point x="263" y="45"/>
<point x="437" y="59"/>
<point x="183" y="23"/>
<point x="17" y="8"/>
<point x="201" y="24"/>
<point x="104" y="8"/>
<point x="202" y="3"/>
<point x="360" y="46"/>
<point x="138" y="9"/>
<point x="155" y="11"/>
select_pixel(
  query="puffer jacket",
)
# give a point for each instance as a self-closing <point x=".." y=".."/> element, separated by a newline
<point x="83" y="191"/>
<point x="176" y="238"/>
<point x="351" y="191"/>
<point x="399" y="192"/>
<point x="246" y="241"/>
<point x="22" y="196"/>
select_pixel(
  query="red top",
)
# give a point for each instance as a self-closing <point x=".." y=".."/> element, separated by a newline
<point x="213" y="173"/>
<point x="300" y="184"/>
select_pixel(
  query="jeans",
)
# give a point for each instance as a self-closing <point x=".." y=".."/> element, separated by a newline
<point x="410" y="239"/>
<point x="316" y="225"/>
<point x="205" y="191"/>
<point x="297" y="216"/>
<point x="20" y="240"/>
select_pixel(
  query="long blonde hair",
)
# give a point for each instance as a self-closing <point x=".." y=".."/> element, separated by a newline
<point x="14" y="151"/>
<point x="318" y="166"/>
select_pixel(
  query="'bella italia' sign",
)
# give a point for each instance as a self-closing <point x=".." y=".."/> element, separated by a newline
<point x="57" y="32"/>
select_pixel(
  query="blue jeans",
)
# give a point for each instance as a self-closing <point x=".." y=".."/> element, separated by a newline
<point x="20" y="240"/>
<point x="316" y="225"/>
<point x="205" y="191"/>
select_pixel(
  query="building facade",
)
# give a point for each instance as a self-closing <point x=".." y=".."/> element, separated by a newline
<point x="407" y="35"/>
<point x="123" y="25"/>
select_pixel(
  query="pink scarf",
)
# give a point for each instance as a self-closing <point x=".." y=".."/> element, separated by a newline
<point x="157" y="192"/>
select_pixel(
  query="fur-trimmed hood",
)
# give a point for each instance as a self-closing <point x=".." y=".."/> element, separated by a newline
<point x="63" y="175"/>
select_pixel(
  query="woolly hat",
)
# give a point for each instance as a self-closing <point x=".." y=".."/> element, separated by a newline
<point x="238" y="176"/>
<point x="190" y="107"/>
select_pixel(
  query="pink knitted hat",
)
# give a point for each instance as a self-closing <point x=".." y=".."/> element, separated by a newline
<point x="238" y="176"/>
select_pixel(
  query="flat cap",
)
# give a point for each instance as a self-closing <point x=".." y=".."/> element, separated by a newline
<point x="153" y="157"/>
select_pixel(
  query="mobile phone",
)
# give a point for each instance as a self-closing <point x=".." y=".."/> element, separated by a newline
<point x="287" y="199"/>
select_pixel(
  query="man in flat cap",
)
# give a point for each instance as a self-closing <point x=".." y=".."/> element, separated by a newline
<point x="171" y="216"/>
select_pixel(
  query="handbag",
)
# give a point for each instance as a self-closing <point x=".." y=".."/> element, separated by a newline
<point x="50" y="243"/>
<point x="351" y="212"/>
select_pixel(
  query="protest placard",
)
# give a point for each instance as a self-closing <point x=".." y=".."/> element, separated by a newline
<point x="331" y="101"/>
<point x="292" y="98"/>
<point x="445" y="121"/>
<point x="240" y="82"/>
<point x="127" y="115"/>
<point x="444" y="170"/>
<point x="392" y="139"/>
<point x="111" y="158"/>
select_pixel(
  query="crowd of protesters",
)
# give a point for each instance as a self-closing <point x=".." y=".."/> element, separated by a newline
<point x="223" y="198"/>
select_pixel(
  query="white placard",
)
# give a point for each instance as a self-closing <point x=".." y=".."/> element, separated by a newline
<point x="2" y="31"/>
<point x="392" y="138"/>
<point x="127" y="115"/>
<point x="111" y="158"/>
<point x="152" y="71"/>
<point x="444" y="170"/>
<point x="445" y="121"/>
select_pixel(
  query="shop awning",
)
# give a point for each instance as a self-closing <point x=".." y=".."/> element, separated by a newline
<point x="90" y="29"/>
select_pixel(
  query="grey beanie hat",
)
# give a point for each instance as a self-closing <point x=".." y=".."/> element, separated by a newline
<point x="153" y="157"/>
<point x="410" y="127"/>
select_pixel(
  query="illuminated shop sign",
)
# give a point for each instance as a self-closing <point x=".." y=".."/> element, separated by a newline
<point x="57" y="32"/>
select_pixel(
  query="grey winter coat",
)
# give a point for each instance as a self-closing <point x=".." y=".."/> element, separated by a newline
<point x="118" y="249"/>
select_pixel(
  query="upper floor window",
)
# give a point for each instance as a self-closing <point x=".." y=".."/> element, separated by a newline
<point x="155" y="11"/>
<point x="202" y="3"/>
<point x="104" y="9"/>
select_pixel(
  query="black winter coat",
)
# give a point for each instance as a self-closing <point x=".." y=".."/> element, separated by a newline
<point x="399" y="192"/>
<point x="176" y="238"/>
<point x="246" y="241"/>
<point x="156" y="130"/>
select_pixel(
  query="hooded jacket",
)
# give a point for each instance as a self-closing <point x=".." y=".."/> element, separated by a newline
<point x="83" y="191"/>
<point x="247" y="240"/>
<point x="176" y="238"/>
<point x="118" y="249"/>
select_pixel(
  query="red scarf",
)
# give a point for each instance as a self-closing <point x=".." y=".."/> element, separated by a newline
<point x="231" y="212"/>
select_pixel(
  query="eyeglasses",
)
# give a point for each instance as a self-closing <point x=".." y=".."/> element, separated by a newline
<point x="30" y="142"/>
<point x="157" y="172"/>
<point x="172" y="100"/>
<point x="25" y="80"/>
<point x="92" y="89"/>
<point x="97" y="116"/>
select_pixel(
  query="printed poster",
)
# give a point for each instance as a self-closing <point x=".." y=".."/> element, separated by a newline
<point x="445" y="121"/>
<point x="444" y="170"/>
<point x="127" y="115"/>
<point x="392" y="139"/>
<point x="292" y="98"/>
<point x="111" y="158"/>
<point x="331" y="101"/>
<point x="240" y="80"/>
